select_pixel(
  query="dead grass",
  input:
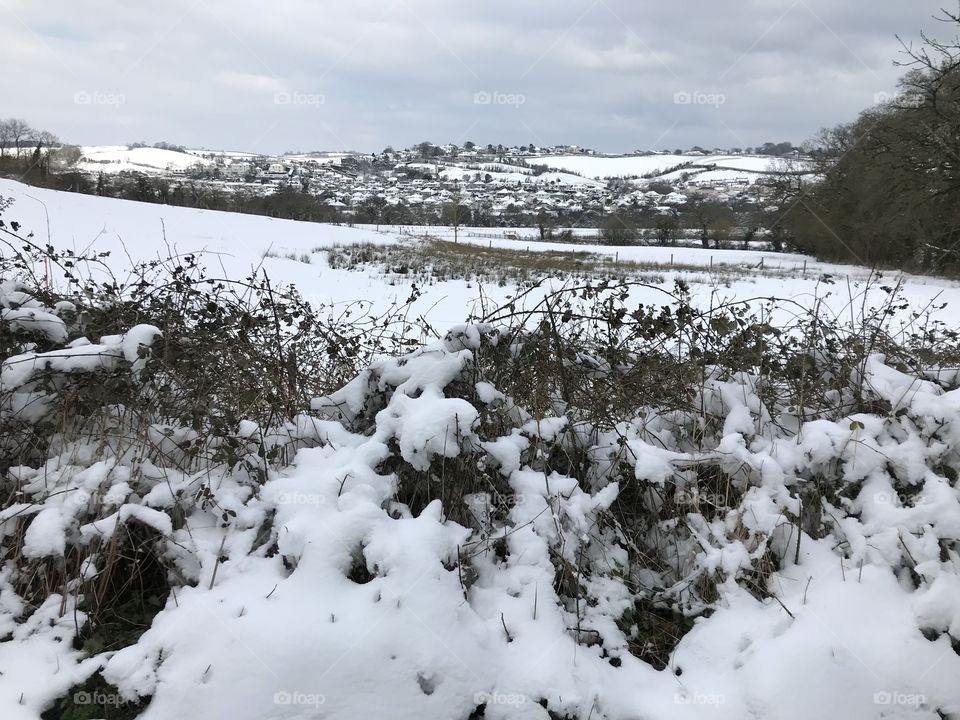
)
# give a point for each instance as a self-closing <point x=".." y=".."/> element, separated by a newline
<point x="427" y="259"/>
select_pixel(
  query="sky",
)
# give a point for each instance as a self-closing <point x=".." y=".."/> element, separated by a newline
<point x="614" y="75"/>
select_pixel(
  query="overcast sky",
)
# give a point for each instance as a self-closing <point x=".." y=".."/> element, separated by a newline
<point x="616" y="75"/>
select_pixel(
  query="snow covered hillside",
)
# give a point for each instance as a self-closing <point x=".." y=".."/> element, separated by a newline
<point x="633" y="166"/>
<point x="114" y="159"/>
<point x="635" y="490"/>
<point x="505" y="173"/>
<point x="297" y="252"/>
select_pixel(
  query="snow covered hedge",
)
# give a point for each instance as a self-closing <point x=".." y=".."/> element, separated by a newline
<point x="578" y="509"/>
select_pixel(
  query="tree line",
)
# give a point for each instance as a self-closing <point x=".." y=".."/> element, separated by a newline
<point x="18" y="138"/>
<point x="888" y="191"/>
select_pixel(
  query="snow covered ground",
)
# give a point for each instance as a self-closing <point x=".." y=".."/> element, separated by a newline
<point x="527" y="238"/>
<point x="504" y="173"/>
<point x="235" y="244"/>
<point x="273" y="621"/>
<point x="634" y="166"/>
<point x="119" y="158"/>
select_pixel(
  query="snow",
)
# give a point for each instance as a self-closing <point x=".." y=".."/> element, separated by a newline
<point x="236" y="244"/>
<point x="604" y="167"/>
<point x="325" y="596"/>
<point x="118" y="158"/>
<point x="30" y="320"/>
<point x="428" y="425"/>
<point x="18" y="373"/>
<point x="635" y="166"/>
<point x="39" y="648"/>
<point x="46" y="534"/>
<point x="261" y="641"/>
<point x="503" y="173"/>
<point x="105" y="528"/>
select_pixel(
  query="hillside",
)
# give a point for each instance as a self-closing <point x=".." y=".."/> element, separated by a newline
<point x="120" y="158"/>
<point x="298" y="253"/>
<point x="729" y="167"/>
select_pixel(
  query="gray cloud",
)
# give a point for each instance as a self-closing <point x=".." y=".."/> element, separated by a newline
<point x="293" y="74"/>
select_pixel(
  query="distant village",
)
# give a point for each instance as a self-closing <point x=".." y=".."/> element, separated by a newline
<point x="493" y="182"/>
<point x="709" y="196"/>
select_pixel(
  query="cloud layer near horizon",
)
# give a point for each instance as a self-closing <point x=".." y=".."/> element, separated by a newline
<point x="616" y="75"/>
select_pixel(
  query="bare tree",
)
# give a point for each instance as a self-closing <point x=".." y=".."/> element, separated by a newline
<point x="46" y="139"/>
<point x="66" y="156"/>
<point x="19" y="133"/>
<point x="6" y="138"/>
<point x="889" y="183"/>
<point x="710" y="218"/>
<point x="454" y="213"/>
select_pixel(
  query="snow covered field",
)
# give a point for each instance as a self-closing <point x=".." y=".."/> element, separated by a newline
<point x="634" y="166"/>
<point x="115" y="159"/>
<point x="134" y="232"/>
<point x="319" y="594"/>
